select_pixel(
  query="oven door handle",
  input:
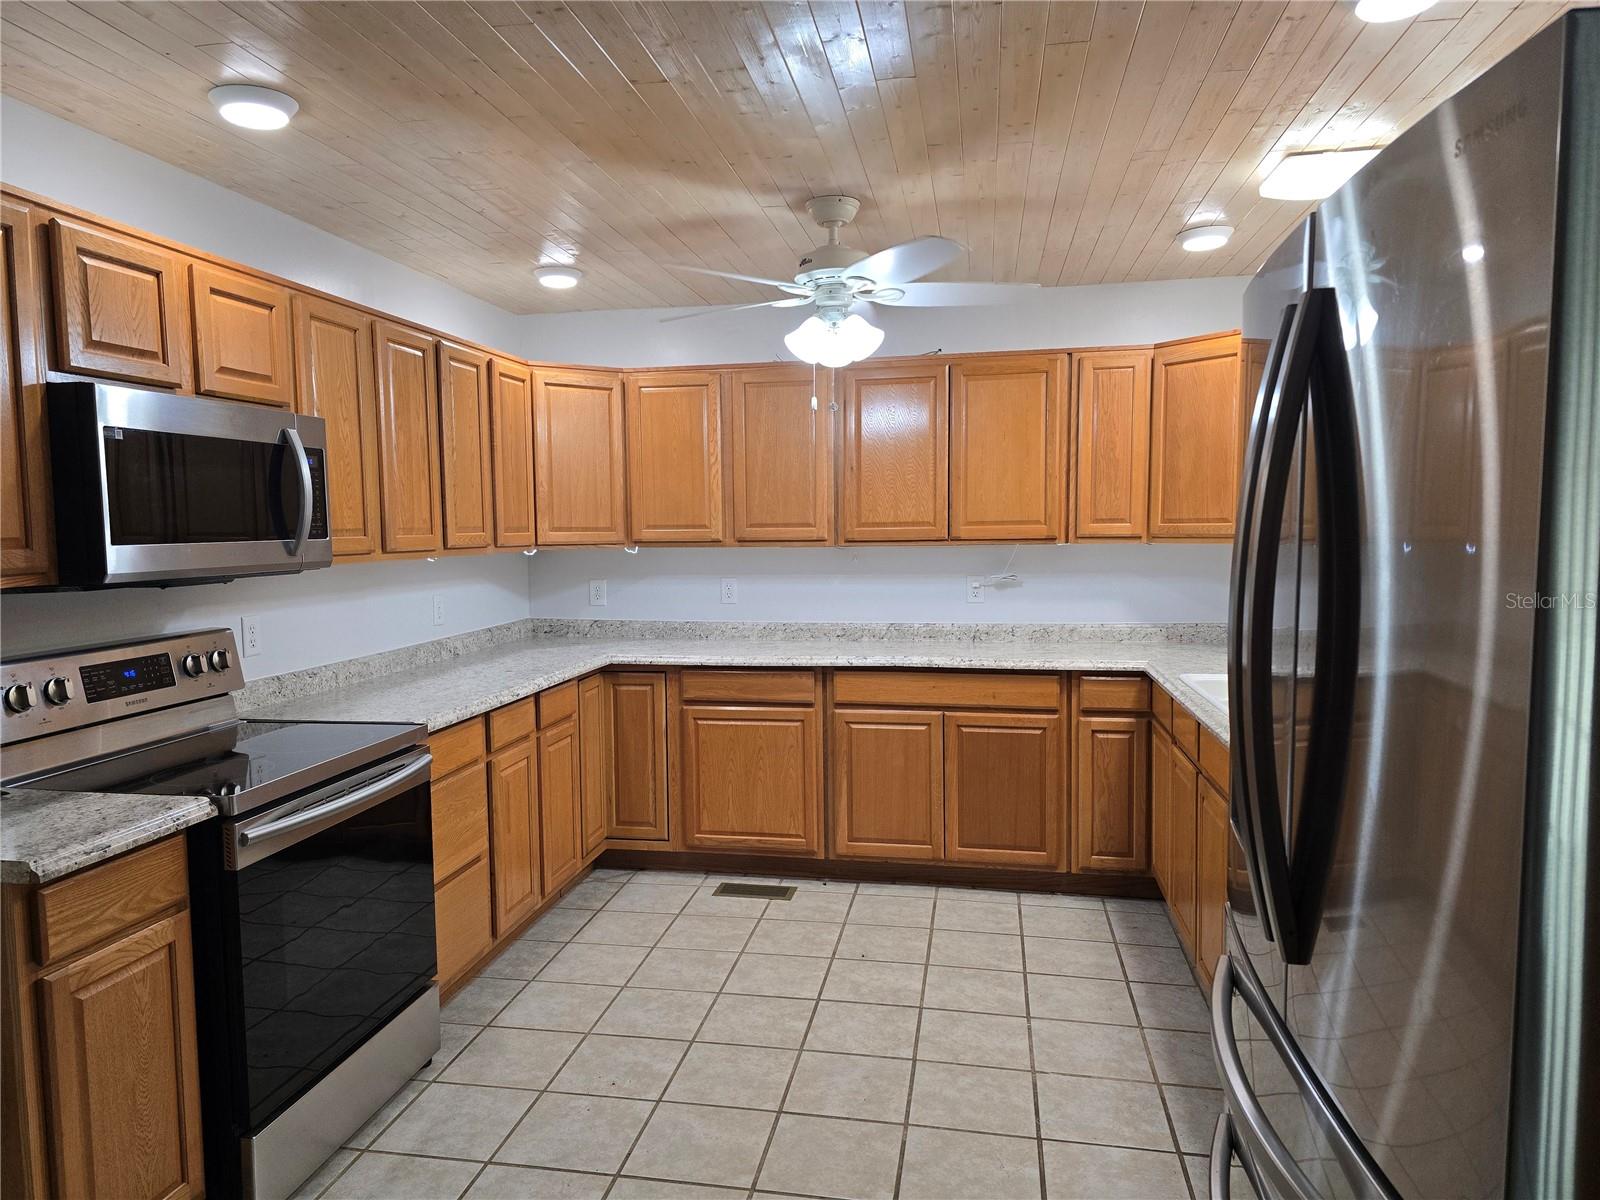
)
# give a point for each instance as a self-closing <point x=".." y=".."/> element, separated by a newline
<point x="307" y="493"/>
<point x="253" y="843"/>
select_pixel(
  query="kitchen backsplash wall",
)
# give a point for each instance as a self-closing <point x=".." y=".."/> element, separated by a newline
<point x="1075" y="583"/>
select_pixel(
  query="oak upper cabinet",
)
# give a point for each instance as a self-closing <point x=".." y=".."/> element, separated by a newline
<point x="638" y="794"/>
<point x="464" y="446"/>
<point x="1006" y="447"/>
<point x="242" y="341"/>
<point x="579" y="471"/>
<point x="887" y="784"/>
<point x="122" y="307"/>
<point x="408" y="438"/>
<point x="25" y="546"/>
<point x="674" y="421"/>
<point x="1004" y="788"/>
<point x="1111" y="792"/>
<point x="781" y="454"/>
<point x="896" y="483"/>
<point x="1196" y="439"/>
<point x="1212" y="841"/>
<point x="1112" y="445"/>
<point x="511" y="442"/>
<point x="560" y="786"/>
<point x="594" y="753"/>
<point x="333" y="363"/>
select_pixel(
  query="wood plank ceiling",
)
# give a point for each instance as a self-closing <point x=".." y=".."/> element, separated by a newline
<point x="1062" y="143"/>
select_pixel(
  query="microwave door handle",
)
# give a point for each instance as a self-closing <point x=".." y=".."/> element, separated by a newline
<point x="252" y="844"/>
<point x="307" y="496"/>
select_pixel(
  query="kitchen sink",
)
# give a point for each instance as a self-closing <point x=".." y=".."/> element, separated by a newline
<point x="1213" y="687"/>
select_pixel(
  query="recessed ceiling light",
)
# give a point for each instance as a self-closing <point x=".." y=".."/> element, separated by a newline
<point x="1200" y="238"/>
<point x="1381" y="11"/>
<point x="253" y="107"/>
<point x="558" y="277"/>
<point x="1314" y="174"/>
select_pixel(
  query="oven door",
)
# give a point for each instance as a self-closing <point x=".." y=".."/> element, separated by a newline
<point x="152" y="487"/>
<point x="327" y="927"/>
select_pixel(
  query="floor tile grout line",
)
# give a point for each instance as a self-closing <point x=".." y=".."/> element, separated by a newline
<point x="911" y="1083"/>
<point x="1033" y="1072"/>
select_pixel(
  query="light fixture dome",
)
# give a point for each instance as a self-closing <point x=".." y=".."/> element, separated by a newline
<point x="1199" y="238"/>
<point x="556" y="276"/>
<point x="832" y="342"/>
<point x="253" y="107"/>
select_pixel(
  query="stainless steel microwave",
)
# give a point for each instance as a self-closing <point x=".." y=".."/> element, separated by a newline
<point x="152" y="487"/>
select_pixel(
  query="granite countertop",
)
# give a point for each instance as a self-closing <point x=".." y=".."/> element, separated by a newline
<point x="45" y="835"/>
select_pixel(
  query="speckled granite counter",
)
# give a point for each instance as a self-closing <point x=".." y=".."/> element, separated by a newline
<point x="44" y="835"/>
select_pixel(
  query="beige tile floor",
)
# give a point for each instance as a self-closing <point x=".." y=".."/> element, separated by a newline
<point x="649" y="1039"/>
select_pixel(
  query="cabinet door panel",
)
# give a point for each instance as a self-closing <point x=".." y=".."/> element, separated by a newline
<point x="896" y="467"/>
<point x="464" y="443"/>
<point x="888" y="783"/>
<point x="463" y="915"/>
<point x="241" y="336"/>
<point x="560" y="803"/>
<point x="1195" y="447"/>
<point x="511" y="397"/>
<point x="675" y="456"/>
<point x="25" y="547"/>
<point x="122" y="1069"/>
<point x="408" y="438"/>
<point x="514" y="842"/>
<point x="1005" y="791"/>
<point x="579" y="469"/>
<point x="638" y="801"/>
<point x="460" y="821"/>
<point x="594" y="749"/>
<point x="1112" y="803"/>
<point x="122" y="307"/>
<point x="750" y="778"/>
<point x="1006" y="474"/>
<point x="1161" y="752"/>
<point x="1184" y="797"/>
<point x="1112" y="445"/>
<point x="333" y="355"/>
<point x="1211" y="876"/>
<point x="782" y="455"/>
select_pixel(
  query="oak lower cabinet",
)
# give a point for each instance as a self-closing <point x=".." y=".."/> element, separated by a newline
<point x="579" y="468"/>
<point x="1183" y="790"/>
<point x="637" y="803"/>
<point x="242" y="342"/>
<point x="895" y="485"/>
<point x="26" y="552"/>
<point x="334" y="375"/>
<point x="560" y="787"/>
<point x="886" y="790"/>
<point x="1161" y="752"/>
<point x="515" y="842"/>
<point x="596" y="773"/>
<point x="1111" y="793"/>
<point x="101" y="1079"/>
<point x="1004" y="793"/>
<point x="463" y="908"/>
<point x="1212" y="841"/>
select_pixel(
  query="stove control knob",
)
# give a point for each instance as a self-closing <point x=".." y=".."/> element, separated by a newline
<point x="220" y="660"/>
<point x="59" y="690"/>
<point x="20" y="697"/>
<point x="194" y="665"/>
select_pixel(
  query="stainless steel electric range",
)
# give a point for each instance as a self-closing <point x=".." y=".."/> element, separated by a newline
<point x="311" y="892"/>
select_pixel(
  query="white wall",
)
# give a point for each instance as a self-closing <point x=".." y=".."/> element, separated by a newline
<point x="1077" y="583"/>
<point x="65" y="162"/>
<point x="305" y="620"/>
<point x="1105" y="315"/>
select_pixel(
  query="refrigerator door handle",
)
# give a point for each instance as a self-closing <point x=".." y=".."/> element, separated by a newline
<point x="1225" y="1147"/>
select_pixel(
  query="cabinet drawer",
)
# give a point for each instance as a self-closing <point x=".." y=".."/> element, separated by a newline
<point x="461" y="921"/>
<point x="1114" y="693"/>
<point x="456" y="747"/>
<point x="1214" y="759"/>
<point x="510" y="724"/>
<point x="743" y="687"/>
<point x="1161" y="706"/>
<point x="1185" y="732"/>
<point x="82" y="910"/>
<point x="460" y="821"/>
<point x="557" y="704"/>
<point x="948" y="689"/>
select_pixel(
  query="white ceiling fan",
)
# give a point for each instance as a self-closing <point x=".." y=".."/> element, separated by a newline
<point x="836" y="278"/>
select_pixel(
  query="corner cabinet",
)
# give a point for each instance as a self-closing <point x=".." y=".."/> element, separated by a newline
<point x="560" y="787"/>
<point x="675" y="456"/>
<point x="242" y="341"/>
<point x="896" y="480"/>
<point x="637" y="796"/>
<point x="26" y="553"/>
<point x="1006" y="448"/>
<point x="464" y="446"/>
<point x="1196" y="439"/>
<point x="408" y="438"/>
<point x="511" y="441"/>
<point x="579" y="469"/>
<point x="333" y="364"/>
<point x="781" y="454"/>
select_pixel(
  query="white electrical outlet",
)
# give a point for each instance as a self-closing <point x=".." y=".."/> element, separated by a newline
<point x="974" y="589"/>
<point x="730" y="591"/>
<point x="438" y="609"/>
<point x="597" y="592"/>
<point x="250" y="639"/>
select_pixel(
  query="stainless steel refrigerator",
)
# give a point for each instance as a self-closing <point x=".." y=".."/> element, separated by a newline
<point x="1409" y="1001"/>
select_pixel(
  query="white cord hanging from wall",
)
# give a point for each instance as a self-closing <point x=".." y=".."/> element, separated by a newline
<point x="1005" y="577"/>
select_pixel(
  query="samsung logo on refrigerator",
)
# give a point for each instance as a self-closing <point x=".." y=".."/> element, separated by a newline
<point x="1493" y="127"/>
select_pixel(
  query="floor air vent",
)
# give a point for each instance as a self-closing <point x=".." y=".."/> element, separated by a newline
<point x="759" y="891"/>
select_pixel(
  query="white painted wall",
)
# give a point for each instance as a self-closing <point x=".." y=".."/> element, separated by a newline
<point x="305" y="620"/>
<point x="65" y="162"/>
<point x="1104" y="315"/>
<point x="1087" y="583"/>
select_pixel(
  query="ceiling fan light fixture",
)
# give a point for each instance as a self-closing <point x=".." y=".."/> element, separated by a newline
<point x="1198" y="239"/>
<point x="251" y="106"/>
<point x="558" y="277"/>
<point x="833" y="343"/>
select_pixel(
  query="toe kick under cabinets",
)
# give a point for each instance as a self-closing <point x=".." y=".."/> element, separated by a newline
<point x="1041" y="780"/>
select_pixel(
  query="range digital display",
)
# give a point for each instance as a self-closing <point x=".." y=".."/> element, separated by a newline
<point x="126" y="677"/>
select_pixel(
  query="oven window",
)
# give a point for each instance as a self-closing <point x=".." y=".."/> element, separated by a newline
<point x="336" y="936"/>
<point x="178" y="488"/>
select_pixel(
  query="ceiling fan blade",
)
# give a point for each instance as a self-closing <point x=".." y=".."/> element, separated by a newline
<point x="791" y="302"/>
<point x="939" y="295"/>
<point x="793" y="288"/>
<point x="909" y="260"/>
